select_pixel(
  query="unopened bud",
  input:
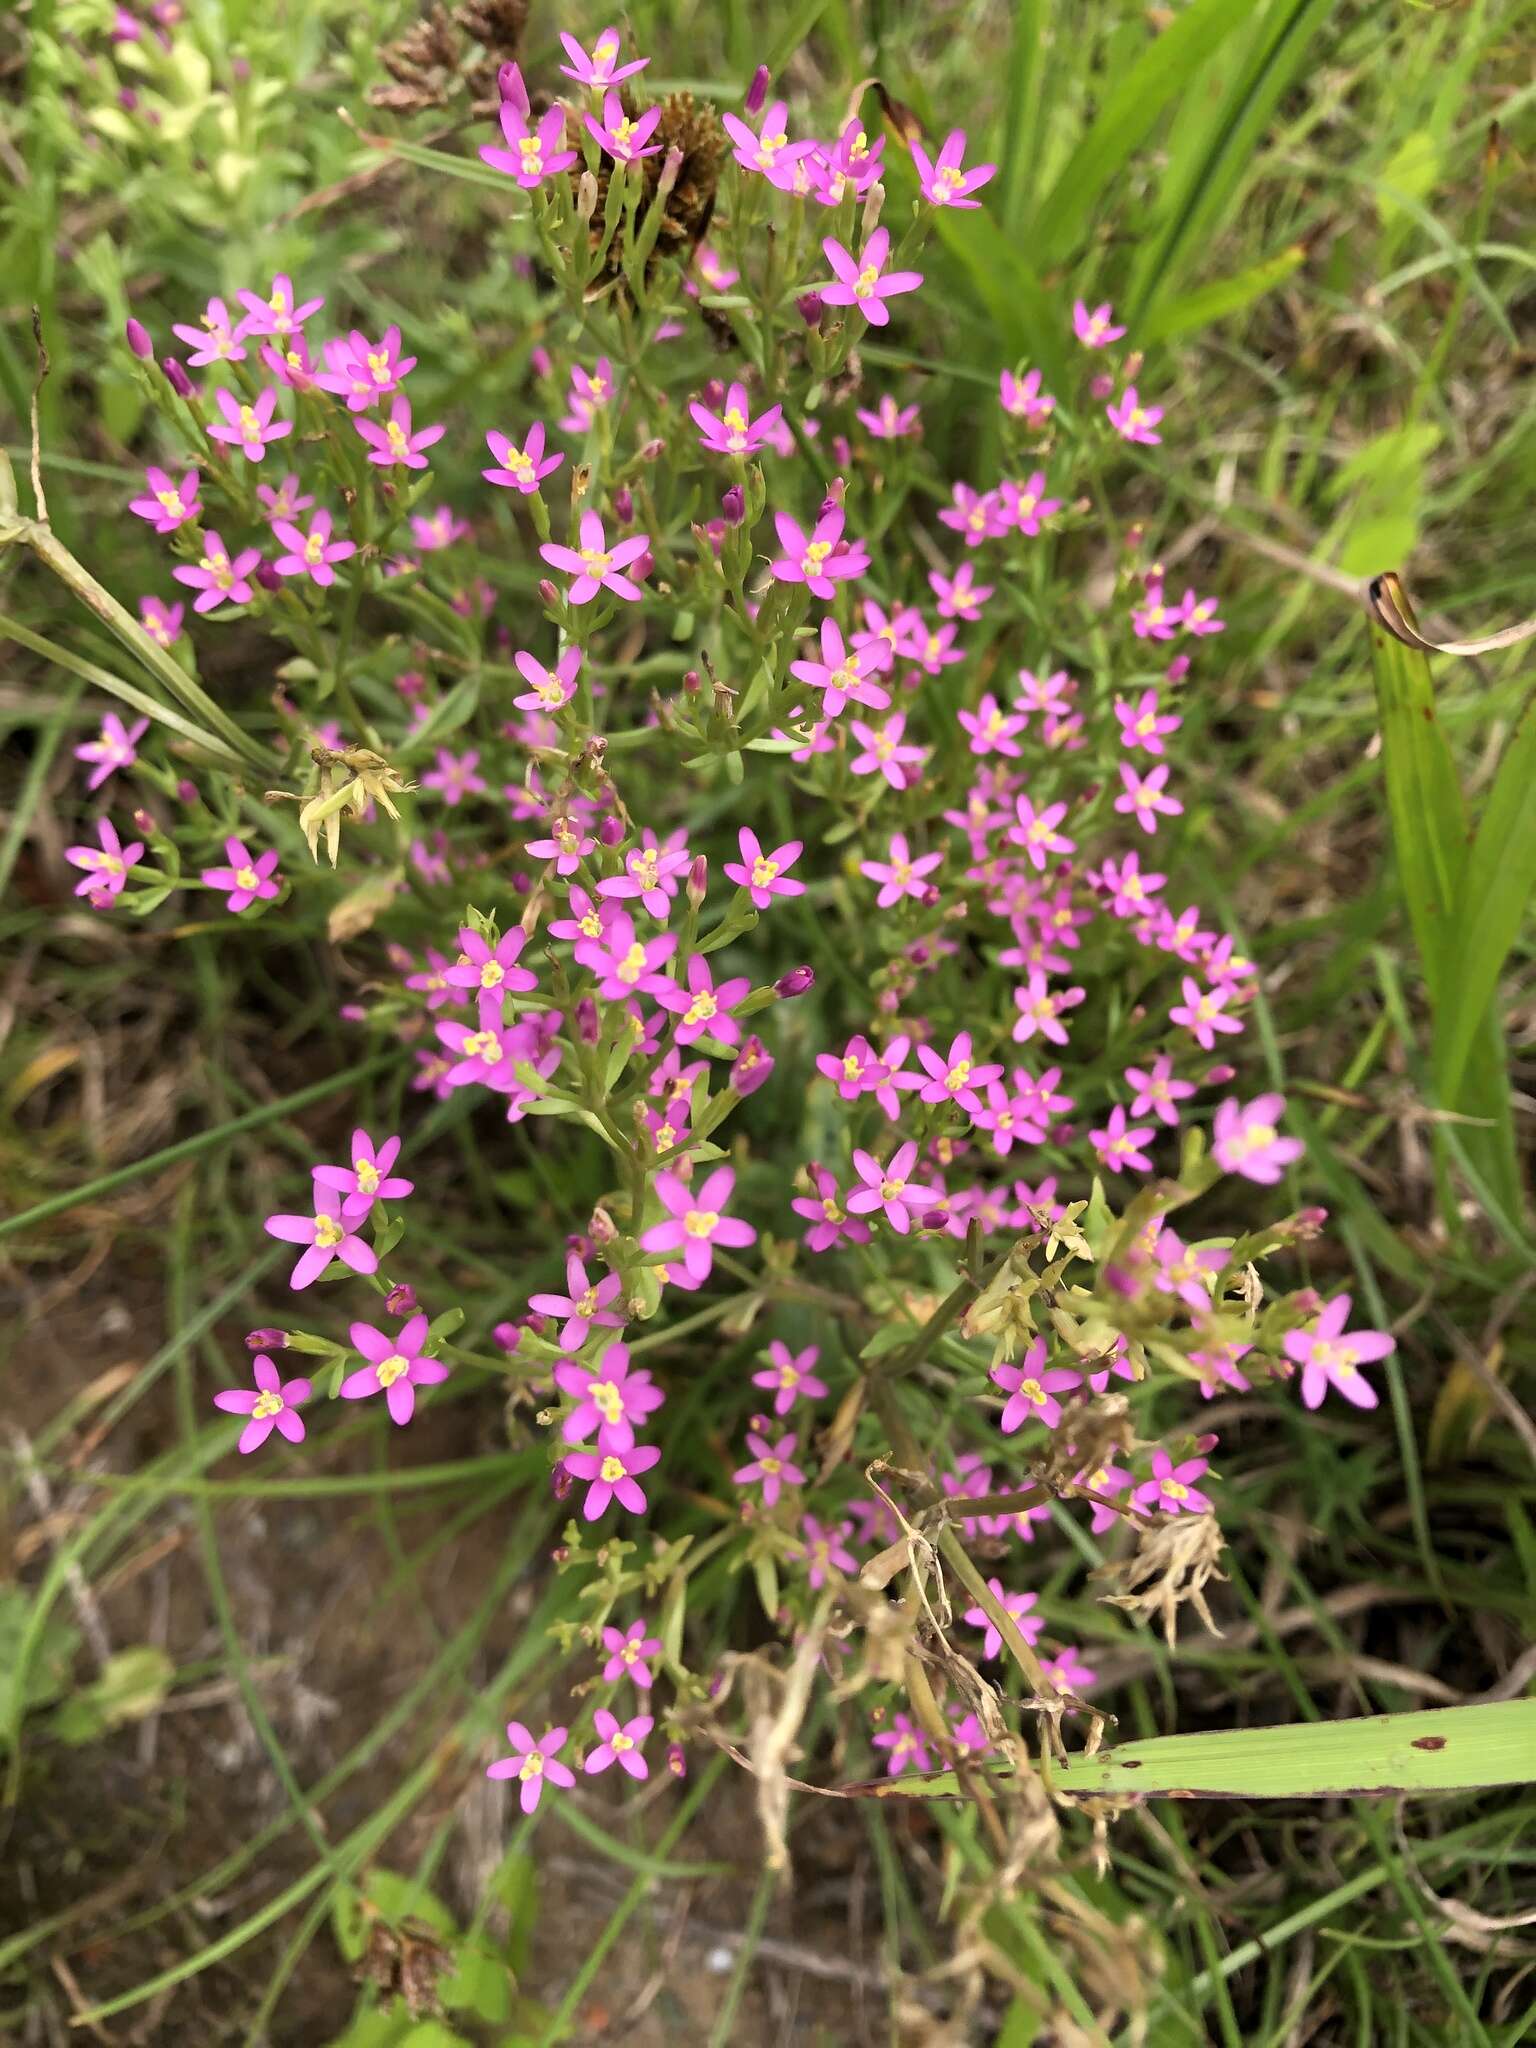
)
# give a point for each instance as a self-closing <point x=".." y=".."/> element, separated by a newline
<point x="808" y="306"/>
<point x="589" y="1027"/>
<point x="693" y="682"/>
<point x="1177" y="669"/>
<point x="267" y="576"/>
<point x="139" y="341"/>
<point x="671" y="164"/>
<point x="642" y="566"/>
<point x="586" y="196"/>
<point x="602" y="1229"/>
<point x="187" y="791"/>
<point x="652" y="449"/>
<point x="560" y="1481"/>
<point x="752" y="1066"/>
<point x="266" y="1340"/>
<point x="1217" y="1077"/>
<point x="757" y="91"/>
<point x="734" y="505"/>
<point x="623" y="504"/>
<point x="509" y="84"/>
<point x="507" y="1337"/>
<point x="713" y="394"/>
<point x="677" y="1763"/>
<point x="401" y="1300"/>
<point x="548" y="595"/>
<point x="796" y="982"/>
<point x="611" y="831"/>
<point x="698" y="880"/>
<point x="930" y="897"/>
<point x="176" y="377"/>
<point x="143" y="821"/>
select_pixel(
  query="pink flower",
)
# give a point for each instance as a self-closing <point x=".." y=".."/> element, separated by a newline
<point x="247" y="879"/>
<point x="1143" y="797"/>
<point x="1331" y="1356"/>
<point x="1203" y="1013"/>
<point x="521" y="469"/>
<point x="829" y="1221"/>
<point x="626" y="141"/>
<point x="217" y="340"/>
<point x="583" y="1308"/>
<point x="284" y="501"/>
<point x="1130" y="890"/>
<point x="889" y="421"/>
<point x="533" y="1763"/>
<point x="977" y="515"/>
<point x="1199" y="615"/>
<point x="161" y="621"/>
<point x="1032" y="1390"/>
<point x="1036" y="831"/>
<point x="311" y="554"/>
<point x="1158" y="1091"/>
<point x="395" y="444"/>
<point x="276" y="313"/>
<point x="790" y="1376"/>
<point x="620" y="1744"/>
<point x="1095" y="329"/>
<point x="770" y="151"/>
<point x="1141" y="723"/>
<point x="1040" y="1009"/>
<point x="117" y="746"/>
<point x="1025" y="505"/>
<point x="992" y="729"/>
<point x="1132" y="420"/>
<point x="843" y="676"/>
<point x="1245" y="1139"/>
<point x="1016" y="1604"/>
<point x="395" y="1367"/>
<point x="703" y="1006"/>
<point x="652" y="873"/>
<point x="942" y="180"/>
<point x="610" y="1476"/>
<point x="954" y="1076"/>
<point x="904" y="1746"/>
<point x="884" y="753"/>
<point x="327" y="1234"/>
<point x="595" y="566"/>
<point x="249" y="427"/>
<point x="1172" y="1487"/>
<point x="1050" y="694"/>
<point x="1067" y="1672"/>
<point x="533" y="152"/>
<point x="363" y="371"/>
<point x="168" y="504"/>
<point x="1102" y="1487"/>
<point x="762" y="874"/>
<point x="106" y="867"/>
<point x="370" y="1177"/>
<point x="491" y="969"/>
<point x="695" y="1223"/>
<point x="628" y="1653"/>
<point x="733" y="431"/>
<point x="455" y="777"/>
<point x="1154" y="620"/>
<point x="551" y="689"/>
<point x="567" y="845"/>
<point x="772" y="1464"/>
<point x="1023" y="398"/>
<point x="960" y="597"/>
<point x="866" y="284"/>
<point x="901" y="875"/>
<point x="625" y="967"/>
<point x="824" y="1550"/>
<point x="817" y="561"/>
<point x="602" y="67"/>
<point x="270" y="1405"/>
<point x="1118" y="1146"/>
<point x="217" y="579"/>
<point x="609" y="1399"/>
<point x="889" y="1189"/>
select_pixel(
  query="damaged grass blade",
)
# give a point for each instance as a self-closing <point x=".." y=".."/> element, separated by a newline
<point x="1387" y="602"/>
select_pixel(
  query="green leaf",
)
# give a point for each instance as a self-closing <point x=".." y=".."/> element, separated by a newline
<point x="132" y="1685"/>
<point x="1132" y="107"/>
<point x="516" y="1884"/>
<point x="447" y="715"/>
<point x="480" y="1984"/>
<point x="1446" y="1749"/>
<point x="398" y="1898"/>
<point x="45" y="1676"/>
<point x="1224" y="295"/>
<point x="349" y="1922"/>
<point x="1496" y="888"/>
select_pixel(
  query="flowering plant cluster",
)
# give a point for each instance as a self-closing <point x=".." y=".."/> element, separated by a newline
<point x="768" y="837"/>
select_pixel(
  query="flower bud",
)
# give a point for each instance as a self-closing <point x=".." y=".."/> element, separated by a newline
<point x="139" y="341"/>
<point x="266" y="575"/>
<point x="589" y="1027"/>
<point x="539" y="358"/>
<point x="671" y="164"/>
<point x="808" y="306"/>
<point x="642" y="566"/>
<point x="652" y="450"/>
<point x="797" y="982"/>
<point x="128" y="100"/>
<point x="126" y="27"/>
<point x="187" y="792"/>
<point x="602" y="1229"/>
<point x="177" y="377"/>
<point x="623" y="504"/>
<point x="509" y="84"/>
<point x="143" y="821"/>
<point x="1102" y="386"/>
<point x="1177" y="669"/>
<point x="266" y="1340"/>
<point x="401" y="1300"/>
<point x="677" y="1763"/>
<point x="693" y="682"/>
<point x="698" y="881"/>
<point x="930" y="897"/>
<point x="1218" y="1077"/>
<point x="713" y="394"/>
<point x="611" y="831"/>
<point x="734" y="505"/>
<point x="586" y="197"/>
<point x="757" y="91"/>
<point x="752" y="1066"/>
<point x="507" y="1337"/>
<point x="549" y="597"/>
<point x="560" y="1481"/>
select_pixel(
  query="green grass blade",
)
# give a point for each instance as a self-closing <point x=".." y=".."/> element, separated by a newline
<point x="1200" y="189"/>
<point x="1020" y="119"/>
<point x="1223" y="296"/>
<point x="1496" y="886"/>
<point x="1131" y="110"/>
<point x="1444" y="1749"/>
<point x="1026" y="320"/>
